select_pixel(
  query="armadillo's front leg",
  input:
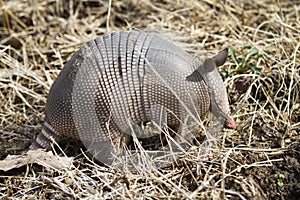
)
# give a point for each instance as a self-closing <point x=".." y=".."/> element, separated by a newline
<point x="106" y="151"/>
<point x="185" y="133"/>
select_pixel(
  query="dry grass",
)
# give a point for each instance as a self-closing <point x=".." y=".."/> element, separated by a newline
<point x="38" y="37"/>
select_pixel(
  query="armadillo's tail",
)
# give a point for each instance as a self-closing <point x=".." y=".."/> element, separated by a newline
<point x="44" y="138"/>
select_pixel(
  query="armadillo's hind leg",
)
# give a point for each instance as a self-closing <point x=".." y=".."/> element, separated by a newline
<point x="106" y="151"/>
<point x="44" y="138"/>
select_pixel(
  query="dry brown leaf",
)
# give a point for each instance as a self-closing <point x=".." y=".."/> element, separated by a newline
<point x="46" y="159"/>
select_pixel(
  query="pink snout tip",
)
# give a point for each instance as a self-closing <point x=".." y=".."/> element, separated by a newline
<point x="230" y="123"/>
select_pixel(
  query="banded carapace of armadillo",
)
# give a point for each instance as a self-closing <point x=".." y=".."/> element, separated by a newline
<point x="127" y="78"/>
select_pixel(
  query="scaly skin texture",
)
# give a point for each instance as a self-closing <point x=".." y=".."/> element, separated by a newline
<point x="123" y="79"/>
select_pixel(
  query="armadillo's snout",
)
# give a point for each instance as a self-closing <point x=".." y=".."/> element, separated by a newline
<point x="230" y="123"/>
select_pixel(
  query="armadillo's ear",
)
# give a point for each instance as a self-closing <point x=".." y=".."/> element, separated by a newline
<point x="221" y="57"/>
<point x="197" y="75"/>
<point x="209" y="65"/>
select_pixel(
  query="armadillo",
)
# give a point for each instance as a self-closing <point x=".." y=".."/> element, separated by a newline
<point x="127" y="78"/>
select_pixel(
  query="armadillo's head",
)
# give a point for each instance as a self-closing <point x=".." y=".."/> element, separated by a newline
<point x="217" y="91"/>
<point x="216" y="86"/>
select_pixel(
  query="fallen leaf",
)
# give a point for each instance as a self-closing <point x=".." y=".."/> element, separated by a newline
<point x="46" y="159"/>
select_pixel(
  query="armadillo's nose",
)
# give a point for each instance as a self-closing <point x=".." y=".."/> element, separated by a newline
<point x="230" y="123"/>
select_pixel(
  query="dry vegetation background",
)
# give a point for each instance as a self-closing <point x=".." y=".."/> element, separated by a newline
<point x="260" y="160"/>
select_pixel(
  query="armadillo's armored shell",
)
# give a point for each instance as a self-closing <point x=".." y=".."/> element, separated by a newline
<point x="119" y="80"/>
<point x="126" y="77"/>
